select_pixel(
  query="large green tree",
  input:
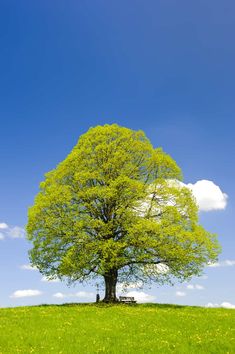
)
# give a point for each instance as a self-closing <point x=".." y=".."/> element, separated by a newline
<point x="115" y="208"/>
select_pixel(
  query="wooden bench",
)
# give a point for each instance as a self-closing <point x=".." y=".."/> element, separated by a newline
<point x="127" y="299"/>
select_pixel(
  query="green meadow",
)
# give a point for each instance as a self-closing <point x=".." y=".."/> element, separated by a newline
<point x="90" y="328"/>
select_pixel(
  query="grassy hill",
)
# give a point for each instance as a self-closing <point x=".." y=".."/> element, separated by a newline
<point x="83" y="329"/>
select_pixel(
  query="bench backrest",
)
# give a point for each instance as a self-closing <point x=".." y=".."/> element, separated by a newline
<point x="126" y="298"/>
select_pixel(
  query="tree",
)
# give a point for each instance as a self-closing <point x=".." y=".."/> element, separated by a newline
<point x="115" y="208"/>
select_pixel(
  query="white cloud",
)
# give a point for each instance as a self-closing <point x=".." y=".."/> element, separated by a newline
<point x="162" y="268"/>
<point x="210" y="304"/>
<point x="199" y="287"/>
<point x="229" y="263"/>
<point x="48" y="280"/>
<point x="190" y="286"/>
<point x="156" y="269"/>
<point x="226" y="305"/>
<point x="180" y="293"/>
<point x="16" y="232"/>
<point x="226" y="263"/>
<point x="59" y="295"/>
<point x="131" y="285"/>
<point x="25" y="293"/>
<point x="196" y="286"/>
<point x="27" y="267"/>
<point x="141" y="296"/>
<point x="1" y="236"/>
<point x="208" y="195"/>
<point x="3" y="226"/>
<point x="11" y="231"/>
<point x="80" y="294"/>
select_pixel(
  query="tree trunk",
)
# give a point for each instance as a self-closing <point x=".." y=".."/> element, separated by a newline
<point x="110" y="279"/>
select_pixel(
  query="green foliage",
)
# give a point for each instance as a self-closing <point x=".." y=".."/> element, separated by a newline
<point x="117" y="329"/>
<point x="116" y="203"/>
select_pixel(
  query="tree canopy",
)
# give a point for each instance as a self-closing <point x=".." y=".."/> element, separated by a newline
<point x="116" y="208"/>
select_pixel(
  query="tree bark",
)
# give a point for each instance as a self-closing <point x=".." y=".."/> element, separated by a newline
<point x="110" y="280"/>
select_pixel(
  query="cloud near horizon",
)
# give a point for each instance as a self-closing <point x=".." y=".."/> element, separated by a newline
<point x="180" y="293"/>
<point x="226" y="305"/>
<point x="25" y="293"/>
<point x="80" y="294"/>
<point x="141" y="296"/>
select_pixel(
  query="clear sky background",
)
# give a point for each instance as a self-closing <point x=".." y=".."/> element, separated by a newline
<point x="166" y="67"/>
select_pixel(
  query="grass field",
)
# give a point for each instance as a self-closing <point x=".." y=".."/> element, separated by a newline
<point x="84" y="328"/>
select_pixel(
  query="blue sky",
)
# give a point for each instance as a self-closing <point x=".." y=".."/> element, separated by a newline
<point x="166" y="67"/>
